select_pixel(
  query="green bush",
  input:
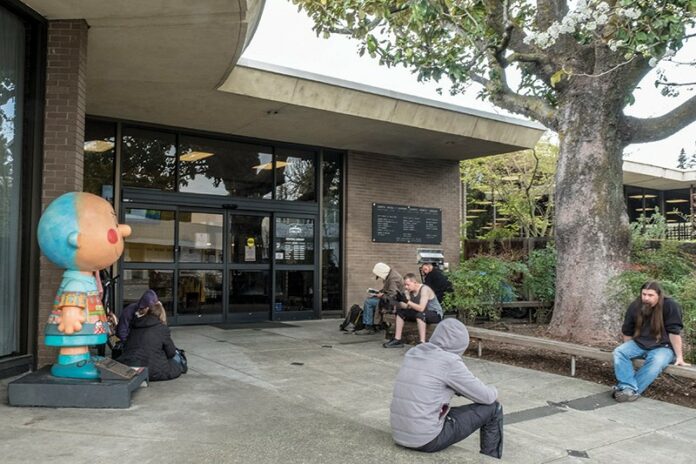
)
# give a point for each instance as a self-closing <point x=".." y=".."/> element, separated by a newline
<point x="540" y="282"/>
<point x="481" y="283"/>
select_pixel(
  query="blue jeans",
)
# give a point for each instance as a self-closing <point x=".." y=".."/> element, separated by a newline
<point x="369" y="306"/>
<point x="655" y="362"/>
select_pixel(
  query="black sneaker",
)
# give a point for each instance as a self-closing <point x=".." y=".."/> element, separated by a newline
<point x="368" y="330"/>
<point x="342" y="327"/>
<point x="393" y="343"/>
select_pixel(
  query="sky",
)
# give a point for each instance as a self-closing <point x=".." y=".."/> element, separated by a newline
<point x="285" y="37"/>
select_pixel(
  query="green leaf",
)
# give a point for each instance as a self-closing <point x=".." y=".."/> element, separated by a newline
<point x="556" y="77"/>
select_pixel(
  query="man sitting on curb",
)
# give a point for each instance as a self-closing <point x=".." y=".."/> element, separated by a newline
<point x="431" y="373"/>
<point x="651" y="331"/>
<point x="420" y="306"/>
<point x="393" y="284"/>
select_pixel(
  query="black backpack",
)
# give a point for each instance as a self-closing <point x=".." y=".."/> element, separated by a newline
<point x="354" y="317"/>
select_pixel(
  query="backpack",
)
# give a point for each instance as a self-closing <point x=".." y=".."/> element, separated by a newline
<point x="354" y="317"/>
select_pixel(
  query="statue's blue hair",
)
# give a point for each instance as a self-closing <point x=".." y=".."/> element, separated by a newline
<point x="58" y="229"/>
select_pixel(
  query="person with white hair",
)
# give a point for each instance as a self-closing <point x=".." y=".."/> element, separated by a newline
<point x="393" y="284"/>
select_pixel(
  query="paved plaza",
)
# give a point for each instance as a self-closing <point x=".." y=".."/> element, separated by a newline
<point x="303" y="392"/>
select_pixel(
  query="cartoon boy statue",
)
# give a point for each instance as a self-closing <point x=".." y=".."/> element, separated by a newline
<point x="80" y="233"/>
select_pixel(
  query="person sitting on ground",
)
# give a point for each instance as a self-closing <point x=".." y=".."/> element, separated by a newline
<point x="125" y="320"/>
<point x="431" y="373"/>
<point x="651" y="331"/>
<point x="420" y="305"/>
<point x="150" y="345"/>
<point x="436" y="279"/>
<point x="373" y="317"/>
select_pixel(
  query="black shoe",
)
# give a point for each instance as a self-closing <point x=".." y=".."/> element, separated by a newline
<point x="368" y="330"/>
<point x="393" y="343"/>
<point x="342" y="327"/>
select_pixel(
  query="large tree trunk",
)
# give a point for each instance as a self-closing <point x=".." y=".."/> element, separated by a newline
<point x="592" y="233"/>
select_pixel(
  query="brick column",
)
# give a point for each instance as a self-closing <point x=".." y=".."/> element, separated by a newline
<point x="64" y="135"/>
<point x="413" y="182"/>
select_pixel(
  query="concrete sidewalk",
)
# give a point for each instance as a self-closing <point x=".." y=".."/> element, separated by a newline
<point x="303" y="392"/>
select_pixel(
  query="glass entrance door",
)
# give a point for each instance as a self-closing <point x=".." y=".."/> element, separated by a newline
<point x="249" y="267"/>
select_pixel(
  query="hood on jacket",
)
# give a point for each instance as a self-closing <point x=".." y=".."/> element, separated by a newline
<point x="381" y="270"/>
<point x="148" y="299"/>
<point x="451" y="335"/>
<point x="148" y="320"/>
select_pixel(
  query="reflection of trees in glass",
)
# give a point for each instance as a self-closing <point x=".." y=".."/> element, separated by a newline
<point x="99" y="166"/>
<point x="8" y="89"/>
<point x="296" y="178"/>
<point x="148" y="159"/>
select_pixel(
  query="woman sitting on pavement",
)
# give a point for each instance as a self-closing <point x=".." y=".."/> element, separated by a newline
<point x="420" y="306"/>
<point x="150" y="345"/>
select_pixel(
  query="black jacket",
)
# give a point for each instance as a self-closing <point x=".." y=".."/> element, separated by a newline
<point x="439" y="282"/>
<point x="150" y="345"/>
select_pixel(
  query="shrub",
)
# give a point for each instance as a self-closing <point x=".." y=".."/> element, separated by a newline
<point x="540" y="282"/>
<point x="481" y="283"/>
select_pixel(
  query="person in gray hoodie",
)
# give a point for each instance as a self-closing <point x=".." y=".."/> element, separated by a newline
<point x="430" y="375"/>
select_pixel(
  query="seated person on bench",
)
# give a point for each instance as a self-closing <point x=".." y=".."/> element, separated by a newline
<point x="419" y="305"/>
<point x="434" y="278"/>
<point x="651" y="331"/>
<point x="372" y="312"/>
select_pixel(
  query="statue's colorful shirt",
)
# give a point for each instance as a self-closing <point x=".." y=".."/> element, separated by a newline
<point x="78" y="290"/>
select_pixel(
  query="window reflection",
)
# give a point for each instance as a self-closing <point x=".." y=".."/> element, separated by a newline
<point x="199" y="292"/>
<point x="295" y="175"/>
<point x="152" y="239"/>
<point x="136" y="282"/>
<point x="294" y="242"/>
<point x="99" y="149"/>
<point x="249" y="291"/>
<point x="218" y="167"/>
<point x="331" y="231"/>
<point x="294" y="291"/>
<point x="149" y="159"/>
<point x="200" y="237"/>
<point x="249" y="239"/>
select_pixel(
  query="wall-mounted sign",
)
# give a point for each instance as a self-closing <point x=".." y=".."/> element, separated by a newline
<point x="406" y="224"/>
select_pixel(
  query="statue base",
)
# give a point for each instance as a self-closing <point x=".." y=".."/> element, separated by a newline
<point x="40" y="388"/>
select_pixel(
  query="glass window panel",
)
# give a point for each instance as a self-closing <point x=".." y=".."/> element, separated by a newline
<point x="295" y="175"/>
<point x="137" y="281"/>
<point x="249" y="239"/>
<point x="200" y="237"/>
<point x="294" y="291"/>
<point x="332" y="185"/>
<point x="149" y="159"/>
<point x="219" y="167"/>
<point x="294" y="243"/>
<point x="99" y="149"/>
<point x="152" y="239"/>
<point x="249" y="291"/>
<point x="634" y="202"/>
<point x="199" y="292"/>
<point x="12" y="52"/>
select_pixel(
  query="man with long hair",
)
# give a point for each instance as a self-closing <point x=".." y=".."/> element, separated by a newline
<point x="652" y="332"/>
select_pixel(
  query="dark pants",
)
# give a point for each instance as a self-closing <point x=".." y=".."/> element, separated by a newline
<point x="462" y="421"/>
<point x="430" y="317"/>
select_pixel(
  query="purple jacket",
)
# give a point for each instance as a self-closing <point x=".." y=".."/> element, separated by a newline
<point x="126" y="319"/>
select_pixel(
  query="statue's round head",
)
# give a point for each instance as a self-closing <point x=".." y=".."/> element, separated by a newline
<point x="79" y="231"/>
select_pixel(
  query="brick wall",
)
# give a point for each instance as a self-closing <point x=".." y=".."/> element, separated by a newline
<point x="64" y="129"/>
<point x="402" y="181"/>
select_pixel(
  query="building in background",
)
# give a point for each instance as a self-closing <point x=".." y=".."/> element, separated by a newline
<point x="254" y="192"/>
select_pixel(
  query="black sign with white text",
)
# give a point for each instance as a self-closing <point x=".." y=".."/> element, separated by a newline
<point x="406" y="224"/>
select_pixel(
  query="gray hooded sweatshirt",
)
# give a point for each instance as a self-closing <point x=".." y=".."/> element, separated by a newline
<point x="429" y="376"/>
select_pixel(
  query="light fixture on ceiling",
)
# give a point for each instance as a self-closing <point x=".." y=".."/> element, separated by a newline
<point x="268" y="166"/>
<point x="97" y="146"/>
<point x="470" y="216"/>
<point x="483" y="202"/>
<point x="645" y="209"/>
<point x="672" y="212"/>
<point x="638" y="197"/>
<point x="476" y="210"/>
<point x="671" y="220"/>
<point x="677" y="200"/>
<point x="195" y="156"/>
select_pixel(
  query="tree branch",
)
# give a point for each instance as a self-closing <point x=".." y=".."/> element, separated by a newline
<point x="637" y="130"/>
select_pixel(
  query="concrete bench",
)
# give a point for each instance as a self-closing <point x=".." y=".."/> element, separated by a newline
<point x="482" y="335"/>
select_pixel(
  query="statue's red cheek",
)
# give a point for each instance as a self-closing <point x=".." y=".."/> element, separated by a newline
<point x="112" y="236"/>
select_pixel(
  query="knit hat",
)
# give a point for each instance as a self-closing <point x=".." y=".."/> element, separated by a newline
<point x="381" y="270"/>
<point x="148" y="299"/>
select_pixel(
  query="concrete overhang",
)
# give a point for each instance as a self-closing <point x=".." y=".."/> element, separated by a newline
<point x="656" y="177"/>
<point x="175" y="63"/>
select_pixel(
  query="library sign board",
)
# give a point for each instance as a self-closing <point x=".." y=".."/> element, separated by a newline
<point x="406" y="224"/>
